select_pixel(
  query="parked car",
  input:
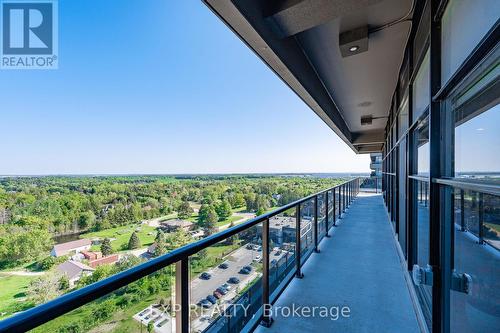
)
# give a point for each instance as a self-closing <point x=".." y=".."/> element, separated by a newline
<point x="224" y="265"/>
<point x="248" y="268"/>
<point x="212" y="299"/>
<point x="233" y="280"/>
<point x="204" y="303"/>
<point x="244" y="271"/>
<point x="221" y="290"/>
<point x="227" y="286"/>
<point x="257" y="258"/>
<point x="217" y="294"/>
<point x="205" y="276"/>
<point x="249" y="246"/>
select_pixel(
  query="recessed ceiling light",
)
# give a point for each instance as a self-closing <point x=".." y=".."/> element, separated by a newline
<point x="354" y="48"/>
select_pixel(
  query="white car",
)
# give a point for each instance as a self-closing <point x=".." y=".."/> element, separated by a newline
<point x="257" y="258"/>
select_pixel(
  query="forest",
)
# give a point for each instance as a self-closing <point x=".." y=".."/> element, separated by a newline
<point x="35" y="210"/>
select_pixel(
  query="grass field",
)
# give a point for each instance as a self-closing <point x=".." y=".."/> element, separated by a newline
<point x="121" y="236"/>
<point x="12" y="294"/>
<point x="234" y="218"/>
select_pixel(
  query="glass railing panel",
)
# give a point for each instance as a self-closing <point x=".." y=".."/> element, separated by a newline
<point x="479" y="310"/>
<point x="491" y="220"/>
<point x="423" y="228"/>
<point x="226" y="283"/>
<point x="321" y="216"/>
<point x="337" y="203"/>
<point x="282" y="239"/>
<point x="471" y="212"/>
<point x="146" y="305"/>
<point x="331" y="211"/>
<point x="306" y="229"/>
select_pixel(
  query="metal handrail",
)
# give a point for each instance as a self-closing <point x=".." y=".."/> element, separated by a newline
<point x="460" y="183"/>
<point x="419" y="178"/>
<point x="46" y="312"/>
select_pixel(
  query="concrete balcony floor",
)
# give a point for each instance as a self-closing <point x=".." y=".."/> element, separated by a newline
<point x="358" y="267"/>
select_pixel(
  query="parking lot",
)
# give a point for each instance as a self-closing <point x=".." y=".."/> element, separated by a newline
<point x="236" y="260"/>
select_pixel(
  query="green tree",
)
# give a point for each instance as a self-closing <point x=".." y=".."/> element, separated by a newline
<point x="86" y="220"/>
<point x="22" y="244"/>
<point x="151" y="327"/>
<point x="208" y="218"/>
<point x="63" y="282"/>
<point x="161" y="246"/>
<point x="43" y="288"/>
<point x="250" y="201"/>
<point x="134" y="241"/>
<point x="223" y="210"/>
<point x="185" y="210"/>
<point x="238" y="200"/>
<point x="106" y="247"/>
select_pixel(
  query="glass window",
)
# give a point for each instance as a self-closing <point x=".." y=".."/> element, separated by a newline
<point x="477" y="141"/>
<point x="421" y="88"/>
<point x="403" y="116"/>
<point x="422" y="138"/>
<point x="464" y="24"/>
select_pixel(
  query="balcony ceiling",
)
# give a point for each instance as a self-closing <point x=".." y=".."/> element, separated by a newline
<point x="299" y="41"/>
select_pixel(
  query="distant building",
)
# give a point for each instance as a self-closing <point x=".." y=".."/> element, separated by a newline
<point x="72" y="247"/>
<point x="90" y="255"/>
<point x="376" y="164"/>
<point x="281" y="229"/>
<point x="74" y="270"/>
<point x="104" y="260"/>
<point x="174" y="225"/>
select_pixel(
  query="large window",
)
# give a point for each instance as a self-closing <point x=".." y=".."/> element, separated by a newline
<point x="476" y="113"/>
<point x="477" y="142"/>
<point x="464" y="23"/>
<point x="421" y="90"/>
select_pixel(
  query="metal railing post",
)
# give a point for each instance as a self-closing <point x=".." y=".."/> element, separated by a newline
<point x="425" y="196"/>
<point x="327" y="207"/>
<point x="341" y="200"/>
<point x="298" y="250"/>
<point x="462" y="211"/>
<point x="316" y="222"/>
<point x="344" y="205"/>
<point x="481" y="219"/>
<point x="182" y="295"/>
<point x="267" y="320"/>
<point x="334" y="207"/>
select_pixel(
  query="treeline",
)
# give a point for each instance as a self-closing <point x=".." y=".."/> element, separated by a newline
<point x="35" y="209"/>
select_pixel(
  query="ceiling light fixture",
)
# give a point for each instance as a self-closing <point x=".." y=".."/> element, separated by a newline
<point x="353" y="42"/>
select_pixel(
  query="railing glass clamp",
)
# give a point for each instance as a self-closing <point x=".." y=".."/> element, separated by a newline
<point x="422" y="275"/>
<point x="461" y="282"/>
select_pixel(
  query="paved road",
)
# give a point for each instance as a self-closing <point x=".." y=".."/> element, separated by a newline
<point x="236" y="260"/>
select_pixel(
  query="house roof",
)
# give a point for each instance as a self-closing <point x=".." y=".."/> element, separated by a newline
<point x="64" y="247"/>
<point x="73" y="268"/>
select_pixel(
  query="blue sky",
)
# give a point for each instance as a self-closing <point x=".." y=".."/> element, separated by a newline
<point x="158" y="87"/>
<point x="165" y="87"/>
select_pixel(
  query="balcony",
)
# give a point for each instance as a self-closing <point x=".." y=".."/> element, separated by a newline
<point x="264" y="255"/>
<point x="358" y="267"/>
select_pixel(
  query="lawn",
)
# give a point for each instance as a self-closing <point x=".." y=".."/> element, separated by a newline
<point x="234" y="218"/>
<point x="122" y="234"/>
<point x="229" y="220"/>
<point x="13" y="293"/>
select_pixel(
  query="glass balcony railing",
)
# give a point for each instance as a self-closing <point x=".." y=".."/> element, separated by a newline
<point x="221" y="283"/>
